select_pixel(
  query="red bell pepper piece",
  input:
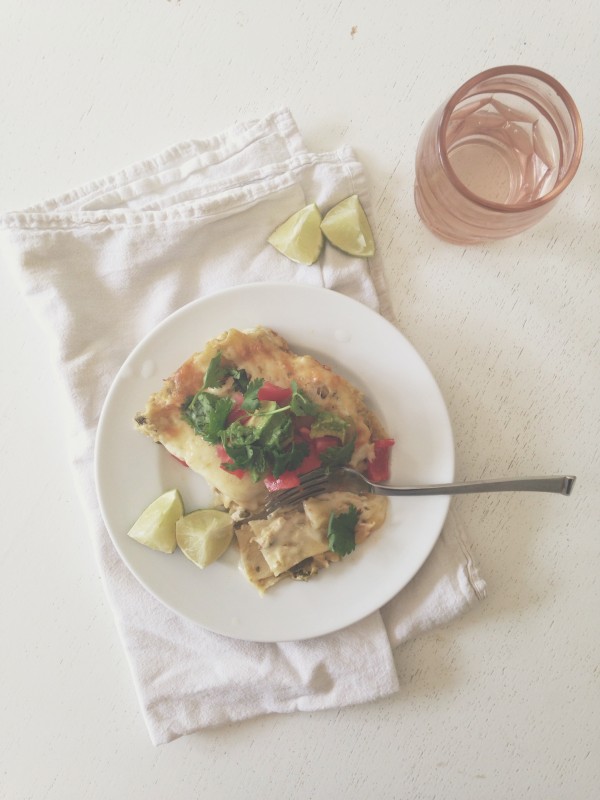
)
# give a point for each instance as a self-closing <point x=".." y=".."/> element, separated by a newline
<point x="302" y="434"/>
<point x="239" y="473"/>
<point x="237" y="413"/>
<point x="287" y="480"/>
<point x="269" y="391"/>
<point x="325" y="442"/>
<point x="311" y="461"/>
<point x="378" y="469"/>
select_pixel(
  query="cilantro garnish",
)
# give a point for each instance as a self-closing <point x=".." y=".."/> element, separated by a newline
<point x="215" y="374"/>
<point x="276" y="433"/>
<point x="284" y="460"/>
<point x="263" y="443"/>
<point x="341" y="533"/>
<point x="246" y="457"/>
<point x="251" y="395"/>
<point x="338" y="456"/>
<point x="266" y="446"/>
<point x="239" y="434"/>
<point x="207" y="414"/>
<point x="301" y="405"/>
<point x="241" y="379"/>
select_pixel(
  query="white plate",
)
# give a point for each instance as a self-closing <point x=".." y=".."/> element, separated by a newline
<point x="131" y="470"/>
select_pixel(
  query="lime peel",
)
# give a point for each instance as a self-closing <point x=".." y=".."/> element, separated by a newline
<point x="155" y="527"/>
<point x="346" y="226"/>
<point x="300" y="237"/>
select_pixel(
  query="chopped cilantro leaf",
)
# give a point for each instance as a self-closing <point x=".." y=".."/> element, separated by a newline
<point x="276" y="433"/>
<point x="283" y="460"/>
<point x="207" y="414"/>
<point x="341" y="531"/>
<point x="259" y="467"/>
<point x="241" y="379"/>
<point x="237" y="433"/>
<point x="241" y="454"/>
<point x="263" y="445"/>
<point x="250" y="457"/>
<point x="338" y="456"/>
<point x="251" y="401"/>
<point x="215" y="374"/>
<point x="301" y="405"/>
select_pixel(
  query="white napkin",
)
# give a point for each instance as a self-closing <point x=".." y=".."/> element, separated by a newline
<point x="101" y="266"/>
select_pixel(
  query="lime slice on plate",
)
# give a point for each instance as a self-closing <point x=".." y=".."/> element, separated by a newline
<point x="203" y="536"/>
<point x="346" y="226"/>
<point x="300" y="237"/>
<point x="155" y="527"/>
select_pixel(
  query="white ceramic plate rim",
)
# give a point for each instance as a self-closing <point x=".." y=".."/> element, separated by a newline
<point x="354" y="340"/>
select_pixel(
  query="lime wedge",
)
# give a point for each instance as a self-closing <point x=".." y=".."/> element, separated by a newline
<point x="300" y="237"/>
<point x="204" y="535"/>
<point x="346" y="226"/>
<point x="155" y="527"/>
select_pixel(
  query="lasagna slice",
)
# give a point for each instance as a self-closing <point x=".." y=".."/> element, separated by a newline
<point x="251" y="416"/>
<point x="294" y="544"/>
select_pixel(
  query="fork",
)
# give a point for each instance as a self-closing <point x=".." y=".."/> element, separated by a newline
<point x="321" y="480"/>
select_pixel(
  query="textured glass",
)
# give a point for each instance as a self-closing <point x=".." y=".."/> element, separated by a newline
<point x="492" y="161"/>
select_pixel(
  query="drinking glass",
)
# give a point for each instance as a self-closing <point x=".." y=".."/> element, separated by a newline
<point x="493" y="160"/>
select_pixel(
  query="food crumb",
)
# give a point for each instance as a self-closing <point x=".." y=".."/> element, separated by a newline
<point x="353" y="31"/>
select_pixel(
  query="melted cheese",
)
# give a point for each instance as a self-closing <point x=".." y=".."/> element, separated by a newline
<point x="371" y="509"/>
<point x="286" y="540"/>
<point x="252" y="561"/>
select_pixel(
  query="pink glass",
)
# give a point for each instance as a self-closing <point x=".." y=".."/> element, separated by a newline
<point x="493" y="160"/>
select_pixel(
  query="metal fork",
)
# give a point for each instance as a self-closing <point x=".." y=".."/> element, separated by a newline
<point x="321" y="480"/>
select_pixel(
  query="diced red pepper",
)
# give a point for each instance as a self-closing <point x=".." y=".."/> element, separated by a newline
<point x="378" y="469"/>
<point x="222" y="453"/>
<point x="269" y="391"/>
<point x="303" y="434"/>
<point x="239" y="473"/>
<point x="287" y="480"/>
<point x="311" y="461"/>
<point x="325" y="442"/>
<point x="237" y="413"/>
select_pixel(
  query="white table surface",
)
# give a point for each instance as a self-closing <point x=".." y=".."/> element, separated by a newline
<point x="500" y="704"/>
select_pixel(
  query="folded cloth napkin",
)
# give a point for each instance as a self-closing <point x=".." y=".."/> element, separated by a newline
<point x="104" y="264"/>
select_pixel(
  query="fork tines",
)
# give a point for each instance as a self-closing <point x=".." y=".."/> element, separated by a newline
<point x="311" y="483"/>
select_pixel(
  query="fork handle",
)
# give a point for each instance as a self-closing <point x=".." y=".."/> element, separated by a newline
<point x="559" y="484"/>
